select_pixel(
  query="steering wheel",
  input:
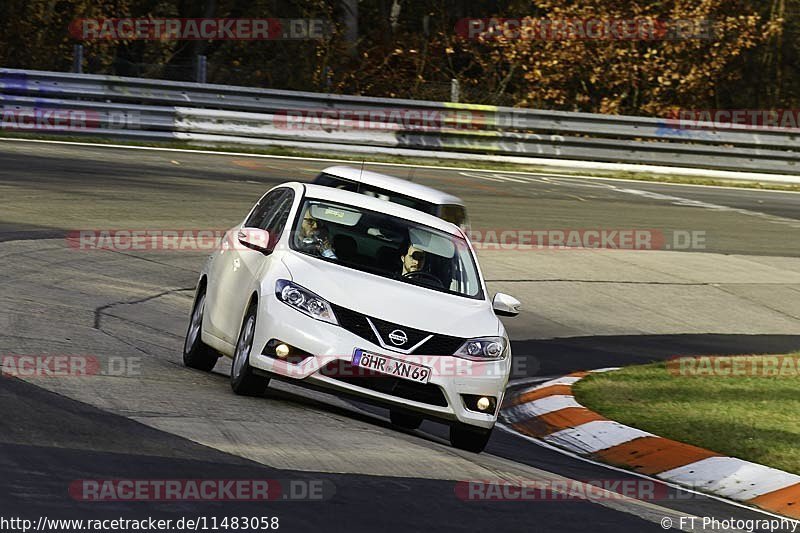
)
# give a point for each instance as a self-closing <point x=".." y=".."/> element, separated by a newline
<point x="422" y="275"/>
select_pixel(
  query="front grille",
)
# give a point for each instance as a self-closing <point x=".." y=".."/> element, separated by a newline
<point x="354" y="323"/>
<point x="385" y="328"/>
<point x="357" y="323"/>
<point x="341" y="370"/>
<point x="440" y="345"/>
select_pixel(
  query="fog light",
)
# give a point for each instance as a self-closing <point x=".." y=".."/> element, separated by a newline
<point x="483" y="403"/>
<point x="281" y="350"/>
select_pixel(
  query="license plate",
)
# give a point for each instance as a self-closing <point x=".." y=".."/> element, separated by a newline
<point x="391" y="366"/>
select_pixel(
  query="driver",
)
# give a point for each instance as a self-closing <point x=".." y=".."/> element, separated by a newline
<point x="314" y="236"/>
<point x="413" y="260"/>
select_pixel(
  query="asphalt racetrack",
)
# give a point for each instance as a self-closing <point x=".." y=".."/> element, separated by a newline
<point x="734" y="289"/>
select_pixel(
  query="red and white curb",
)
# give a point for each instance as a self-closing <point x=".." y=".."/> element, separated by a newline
<point x="550" y="413"/>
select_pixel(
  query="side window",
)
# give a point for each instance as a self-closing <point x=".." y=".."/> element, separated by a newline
<point x="264" y="208"/>
<point x="277" y="221"/>
<point x="272" y="213"/>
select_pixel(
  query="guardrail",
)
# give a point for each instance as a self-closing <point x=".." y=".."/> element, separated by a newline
<point x="217" y="114"/>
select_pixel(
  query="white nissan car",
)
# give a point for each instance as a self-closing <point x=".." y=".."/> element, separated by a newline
<point x="359" y="296"/>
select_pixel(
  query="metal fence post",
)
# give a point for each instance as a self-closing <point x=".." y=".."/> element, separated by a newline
<point x="200" y="68"/>
<point x="455" y="90"/>
<point x="77" y="58"/>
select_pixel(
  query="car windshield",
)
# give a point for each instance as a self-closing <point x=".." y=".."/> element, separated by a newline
<point x="386" y="246"/>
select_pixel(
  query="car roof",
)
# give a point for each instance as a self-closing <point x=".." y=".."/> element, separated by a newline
<point x="391" y="183"/>
<point x="322" y="192"/>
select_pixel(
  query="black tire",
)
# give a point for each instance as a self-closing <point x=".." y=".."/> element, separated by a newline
<point x="244" y="381"/>
<point x="405" y="420"/>
<point x="196" y="353"/>
<point x="469" y="438"/>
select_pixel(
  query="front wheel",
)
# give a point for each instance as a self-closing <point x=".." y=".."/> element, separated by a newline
<point x="469" y="438"/>
<point x="196" y="353"/>
<point x="243" y="380"/>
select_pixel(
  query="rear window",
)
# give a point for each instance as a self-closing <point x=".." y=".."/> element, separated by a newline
<point x="376" y="192"/>
<point x="454" y="213"/>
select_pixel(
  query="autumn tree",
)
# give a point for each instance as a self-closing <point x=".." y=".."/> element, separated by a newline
<point x="673" y="67"/>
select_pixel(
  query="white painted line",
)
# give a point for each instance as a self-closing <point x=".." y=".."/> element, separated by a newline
<point x="533" y="179"/>
<point x="496" y="176"/>
<point x="566" y="380"/>
<point x="594" y="436"/>
<point x="687" y="202"/>
<point x="488" y="178"/>
<point x="543" y="383"/>
<point x="689" y="490"/>
<point x="609" y="369"/>
<point x="575" y="177"/>
<point x="528" y="381"/>
<point x="563" y="380"/>
<point x="731" y="477"/>
<point x="410" y="165"/>
<point x="549" y="404"/>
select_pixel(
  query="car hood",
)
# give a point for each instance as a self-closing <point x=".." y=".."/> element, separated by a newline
<point x="394" y="301"/>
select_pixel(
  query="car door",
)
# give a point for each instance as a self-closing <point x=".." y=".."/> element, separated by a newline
<point x="237" y="268"/>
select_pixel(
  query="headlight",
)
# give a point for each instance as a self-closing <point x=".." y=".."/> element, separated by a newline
<point x="483" y="348"/>
<point x="304" y="301"/>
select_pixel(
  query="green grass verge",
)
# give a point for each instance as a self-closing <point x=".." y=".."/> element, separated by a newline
<point x="753" y="418"/>
<point x="422" y="161"/>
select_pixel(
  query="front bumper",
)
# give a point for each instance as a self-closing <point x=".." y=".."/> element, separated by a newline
<point x="333" y="346"/>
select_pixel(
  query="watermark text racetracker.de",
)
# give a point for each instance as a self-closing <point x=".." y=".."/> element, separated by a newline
<point x="389" y="119"/>
<point x="67" y="365"/>
<point x="44" y="119"/>
<point x="585" y="29"/>
<point x="203" y="29"/>
<point x="183" y="240"/>
<point x="587" y="238"/>
<point x="339" y="366"/>
<point x="731" y="366"/>
<point x="561" y="490"/>
<point x="738" y="119"/>
<point x="570" y="490"/>
<point x="201" y="489"/>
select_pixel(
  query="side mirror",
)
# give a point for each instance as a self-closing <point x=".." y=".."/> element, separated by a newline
<point x="505" y="305"/>
<point x="255" y="239"/>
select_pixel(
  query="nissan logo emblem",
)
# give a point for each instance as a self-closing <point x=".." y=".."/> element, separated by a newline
<point x="398" y="337"/>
